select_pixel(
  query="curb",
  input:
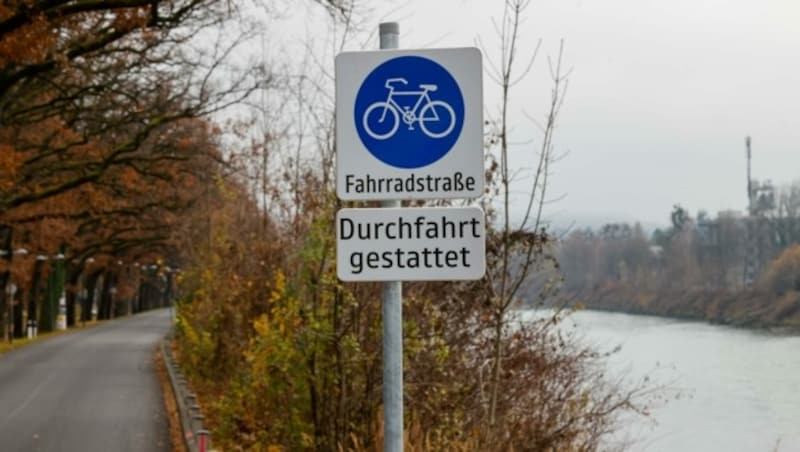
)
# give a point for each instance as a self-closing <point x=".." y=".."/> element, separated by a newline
<point x="196" y="437"/>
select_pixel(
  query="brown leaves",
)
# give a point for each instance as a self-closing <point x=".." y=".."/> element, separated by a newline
<point x="783" y="274"/>
<point x="30" y="44"/>
<point x="10" y="164"/>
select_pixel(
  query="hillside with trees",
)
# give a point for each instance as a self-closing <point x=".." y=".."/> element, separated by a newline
<point x="734" y="269"/>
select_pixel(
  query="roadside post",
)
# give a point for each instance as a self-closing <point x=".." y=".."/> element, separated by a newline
<point x="61" y="317"/>
<point x="409" y="126"/>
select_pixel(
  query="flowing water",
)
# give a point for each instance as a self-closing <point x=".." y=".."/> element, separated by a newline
<point x="738" y="390"/>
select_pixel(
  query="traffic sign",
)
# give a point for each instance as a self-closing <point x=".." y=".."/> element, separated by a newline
<point x="410" y="244"/>
<point x="409" y="124"/>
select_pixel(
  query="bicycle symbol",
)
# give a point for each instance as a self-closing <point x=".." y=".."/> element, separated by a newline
<point x="428" y="113"/>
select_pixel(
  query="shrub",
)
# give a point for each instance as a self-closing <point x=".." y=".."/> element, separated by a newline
<point x="783" y="274"/>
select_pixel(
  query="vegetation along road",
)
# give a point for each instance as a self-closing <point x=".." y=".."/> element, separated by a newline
<point x="92" y="390"/>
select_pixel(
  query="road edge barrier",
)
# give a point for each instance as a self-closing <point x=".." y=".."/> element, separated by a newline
<point x="195" y="436"/>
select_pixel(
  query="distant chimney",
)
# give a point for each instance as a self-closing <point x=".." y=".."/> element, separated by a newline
<point x="750" y="206"/>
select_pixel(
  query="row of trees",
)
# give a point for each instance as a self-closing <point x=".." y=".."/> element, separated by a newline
<point x="104" y="145"/>
<point x="702" y="253"/>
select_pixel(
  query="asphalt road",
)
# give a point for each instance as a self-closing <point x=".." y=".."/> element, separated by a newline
<point x="86" y="391"/>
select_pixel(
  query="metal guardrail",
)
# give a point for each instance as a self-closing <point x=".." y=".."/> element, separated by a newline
<point x="195" y="436"/>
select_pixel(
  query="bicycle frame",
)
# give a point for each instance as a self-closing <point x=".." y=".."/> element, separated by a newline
<point x="408" y="115"/>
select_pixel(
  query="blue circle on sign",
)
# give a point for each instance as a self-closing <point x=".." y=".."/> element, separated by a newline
<point x="409" y="112"/>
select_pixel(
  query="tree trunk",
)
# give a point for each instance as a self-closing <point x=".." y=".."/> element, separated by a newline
<point x="46" y="314"/>
<point x="137" y="298"/>
<point x="73" y="277"/>
<point x="168" y="294"/>
<point x="104" y="308"/>
<point x="145" y="296"/>
<point x="88" y="301"/>
<point x="35" y="293"/>
<point x="3" y="304"/>
<point x="55" y="288"/>
<point x="19" y="326"/>
<point x="5" y="246"/>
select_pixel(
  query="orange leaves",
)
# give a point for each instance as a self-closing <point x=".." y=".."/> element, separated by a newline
<point x="49" y="31"/>
<point x="29" y="44"/>
<point x="130" y="18"/>
<point x="129" y="177"/>
<point x="10" y="163"/>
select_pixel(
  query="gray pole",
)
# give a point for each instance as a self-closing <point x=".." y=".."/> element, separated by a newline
<point x="389" y="33"/>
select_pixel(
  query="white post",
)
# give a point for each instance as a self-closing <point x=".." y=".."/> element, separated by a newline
<point x="392" y="296"/>
<point x="61" y="318"/>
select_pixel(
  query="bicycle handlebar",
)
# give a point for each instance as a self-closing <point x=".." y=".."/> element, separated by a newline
<point x="392" y="80"/>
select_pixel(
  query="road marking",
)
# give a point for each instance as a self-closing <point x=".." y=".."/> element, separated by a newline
<point x="30" y="397"/>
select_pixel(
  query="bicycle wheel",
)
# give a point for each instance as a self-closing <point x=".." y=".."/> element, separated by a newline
<point x="440" y="113"/>
<point x="377" y="123"/>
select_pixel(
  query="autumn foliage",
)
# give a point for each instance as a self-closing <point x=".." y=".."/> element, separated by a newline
<point x="104" y="144"/>
<point x="783" y="274"/>
<point x="290" y="358"/>
<point x="113" y="171"/>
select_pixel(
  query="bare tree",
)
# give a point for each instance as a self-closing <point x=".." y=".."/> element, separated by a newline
<point x="518" y="249"/>
<point x="786" y="216"/>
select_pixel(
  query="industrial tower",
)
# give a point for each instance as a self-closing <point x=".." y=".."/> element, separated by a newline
<point x="751" y="226"/>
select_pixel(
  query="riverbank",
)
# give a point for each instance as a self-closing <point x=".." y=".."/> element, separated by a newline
<point x="751" y="309"/>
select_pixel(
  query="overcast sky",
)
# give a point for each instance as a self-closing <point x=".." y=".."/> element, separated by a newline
<point x="661" y="96"/>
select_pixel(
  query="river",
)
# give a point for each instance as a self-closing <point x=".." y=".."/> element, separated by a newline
<point x="739" y="390"/>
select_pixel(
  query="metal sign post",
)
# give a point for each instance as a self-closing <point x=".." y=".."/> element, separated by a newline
<point x="392" y="301"/>
<point x="409" y="125"/>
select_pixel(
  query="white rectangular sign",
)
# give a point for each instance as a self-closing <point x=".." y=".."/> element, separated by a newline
<point x="410" y="244"/>
<point x="409" y="124"/>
